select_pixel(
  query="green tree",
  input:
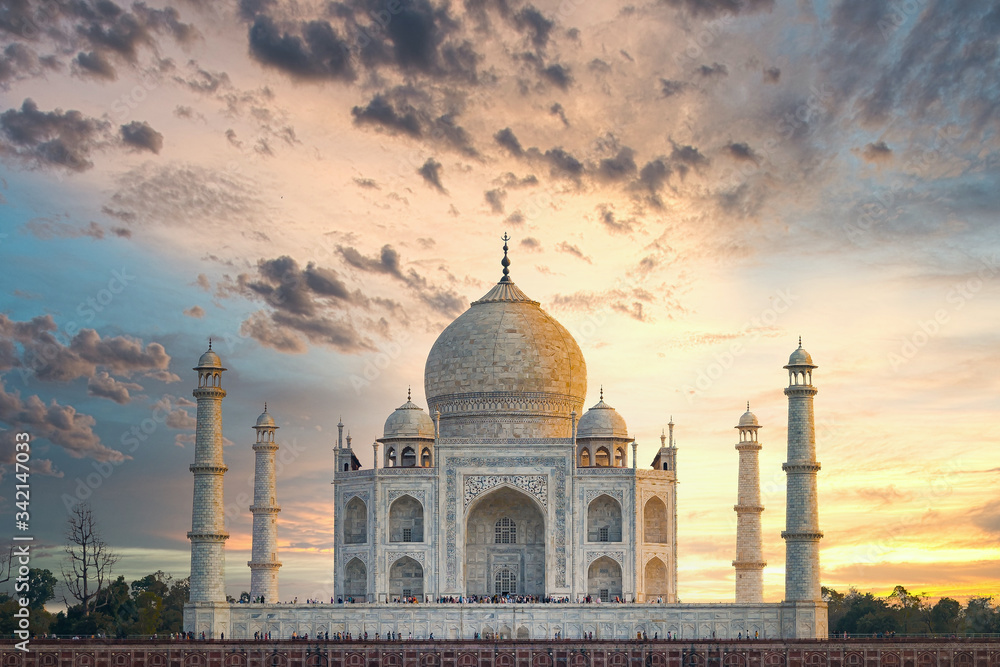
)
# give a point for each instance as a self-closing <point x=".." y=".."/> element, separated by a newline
<point x="981" y="616"/>
<point x="172" y="617"/>
<point x="910" y="610"/>
<point x="946" y="616"/>
<point x="41" y="587"/>
<point x="836" y="606"/>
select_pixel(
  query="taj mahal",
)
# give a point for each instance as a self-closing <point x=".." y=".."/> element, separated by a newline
<point x="505" y="508"/>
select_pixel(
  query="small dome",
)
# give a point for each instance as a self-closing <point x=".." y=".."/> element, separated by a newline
<point x="210" y="359"/>
<point x="800" y="358"/>
<point x="602" y="421"/>
<point x="409" y="421"/>
<point x="749" y="419"/>
<point x="265" y="419"/>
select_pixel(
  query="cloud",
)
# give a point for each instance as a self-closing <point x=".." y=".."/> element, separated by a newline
<point x="186" y="195"/>
<point x="686" y="157"/>
<point x="515" y="218"/>
<point x="395" y="112"/>
<point x="368" y="183"/>
<point x="557" y="110"/>
<point x="141" y="136"/>
<point x="195" y="311"/>
<point x="877" y="152"/>
<point x="714" y="8"/>
<point x="772" y="75"/>
<point x="19" y="61"/>
<point x="94" y="64"/>
<point x="742" y="151"/>
<point x="98" y="31"/>
<point x="61" y="425"/>
<point x="563" y="164"/>
<point x="654" y="175"/>
<point x="618" y="168"/>
<point x="177" y="417"/>
<point x="565" y="247"/>
<point x="495" y="199"/>
<point x="53" y="138"/>
<point x="388" y="262"/>
<point x="712" y="71"/>
<point x="380" y="111"/>
<point x="431" y="173"/>
<point x="508" y="140"/>
<point x="311" y="304"/>
<point x="318" y="53"/>
<point x="987" y="517"/>
<point x="557" y="74"/>
<point x="671" y="87"/>
<point x="49" y="229"/>
<point x="530" y="244"/>
<point x="536" y="23"/>
<point x="607" y="218"/>
<point x="103" y="385"/>
<point x="44" y="354"/>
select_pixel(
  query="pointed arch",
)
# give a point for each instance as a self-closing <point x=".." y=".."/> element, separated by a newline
<point x="655" y="580"/>
<point x="604" y="519"/>
<point x="604" y="579"/>
<point x="406" y="520"/>
<point x="356" y="521"/>
<point x="602" y="457"/>
<point x="356" y="580"/>
<point x="406" y="579"/>
<point x="655" y="527"/>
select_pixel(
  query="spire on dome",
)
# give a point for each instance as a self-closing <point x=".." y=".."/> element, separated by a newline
<point x="602" y="392"/>
<point x="505" y="262"/>
<point x="408" y="393"/>
<point x="210" y="342"/>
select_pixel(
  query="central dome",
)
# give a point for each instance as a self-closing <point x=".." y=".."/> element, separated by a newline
<point x="505" y="368"/>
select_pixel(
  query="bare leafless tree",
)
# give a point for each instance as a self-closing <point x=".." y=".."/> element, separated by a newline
<point x="89" y="559"/>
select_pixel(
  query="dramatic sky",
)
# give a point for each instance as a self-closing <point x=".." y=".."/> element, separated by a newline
<point x="689" y="184"/>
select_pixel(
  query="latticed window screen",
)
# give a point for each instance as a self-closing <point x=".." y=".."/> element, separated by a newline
<point x="407" y="535"/>
<point x="603" y="535"/>
<point x="605" y="596"/>
<point x="506" y="531"/>
<point x="505" y="582"/>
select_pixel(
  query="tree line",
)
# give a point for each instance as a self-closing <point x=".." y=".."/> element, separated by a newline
<point x="905" y="613"/>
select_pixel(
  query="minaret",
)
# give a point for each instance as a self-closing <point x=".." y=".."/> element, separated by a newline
<point x="264" y="562"/>
<point x="208" y="535"/>
<point x="749" y="561"/>
<point x="801" y="532"/>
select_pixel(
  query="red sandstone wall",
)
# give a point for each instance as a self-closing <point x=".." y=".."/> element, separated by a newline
<point x="834" y="653"/>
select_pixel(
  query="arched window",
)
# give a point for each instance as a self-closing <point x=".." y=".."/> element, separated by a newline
<point x="506" y="531"/>
<point x="425" y="458"/>
<point x="390" y="457"/>
<point x="585" y="458"/>
<point x="408" y="459"/>
<point x="602" y="457"/>
<point x="505" y="582"/>
<point x="619" y="457"/>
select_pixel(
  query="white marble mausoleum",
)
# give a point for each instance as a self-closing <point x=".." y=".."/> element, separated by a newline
<point x="506" y="491"/>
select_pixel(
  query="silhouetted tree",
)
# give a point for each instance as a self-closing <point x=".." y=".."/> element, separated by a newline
<point x="89" y="558"/>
